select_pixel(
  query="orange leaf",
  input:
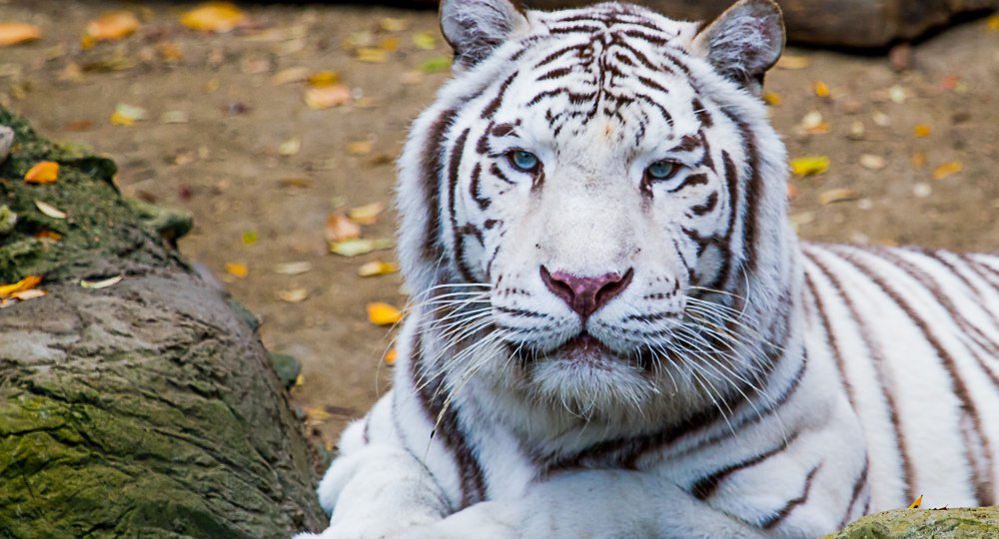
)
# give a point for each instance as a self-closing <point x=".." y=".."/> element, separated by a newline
<point x="820" y="88"/>
<point x="922" y="130"/>
<point x="236" y="269"/>
<point x="44" y="172"/>
<point x="113" y="25"/>
<point x="947" y="169"/>
<point x="391" y="356"/>
<point x="12" y="33"/>
<point x="383" y="314"/>
<point x="373" y="269"/>
<point x="771" y="98"/>
<point x="218" y="17"/>
<point x="322" y="79"/>
<point x="916" y="503"/>
<point x="340" y="228"/>
<point x="27" y="283"/>
<point x="48" y="235"/>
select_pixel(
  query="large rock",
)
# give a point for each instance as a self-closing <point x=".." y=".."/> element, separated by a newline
<point x="981" y="523"/>
<point x="145" y="409"/>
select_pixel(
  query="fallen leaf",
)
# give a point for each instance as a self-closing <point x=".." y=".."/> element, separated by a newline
<point x="314" y="414"/>
<point x="358" y="247"/>
<point x="25" y="295"/>
<point x="376" y="268"/>
<point x="340" y="228"/>
<point x="48" y="235"/>
<point x="918" y="159"/>
<point x="771" y="98"/>
<point x="393" y="24"/>
<point x="383" y="314"/>
<point x="793" y="61"/>
<point x="175" y="117"/>
<point x="295" y="181"/>
<point x="366" y="214"/>
<point x="327" y="97"/>
<point x="897" y="94"/>
<point x="922" y="190"/>
<point x="424" y="40"/>
<point x="947" y="169"/>
<point x="837" y="195"/>
<point x="50" y="210"/>
<point x="792" y="191"/>
<point x="219" y="17"/>
<point x="250" y="238"/>
<point x="436" y="64"/>
<point x="881" y="119"/>
<point x="291" y="74"/>
<point x="237" y="269"/>
<point x="26" y="283"/>
<point x="857" y="130"/>
<point x="170" y="52"/>
<point x="389" y="44"/>
<point x="814" y="124"/>
<point x="322" y="79"/>
<point x="872" y="162"/>
<point x="293" y="268"/>
<point x="293" y="295"/>
<point x="916" y="503"/>
<point x="103" y="283"/>
<point x="113" y="25"/>
<point x="391" y="356"/>
<point x="359" y="147"/>
<point x="13" y="33"/>
<point x="811" y="165"/>
<point x="992" y="23"/>
<point x="43" y="172"/>
<point x="820" y="88"/>
<point x="127" y="114"/>
<point x="79" y="125"/>
<point x="372" y="55"/>
<point x="290" y="147"/>
<point x="921" y="130"/>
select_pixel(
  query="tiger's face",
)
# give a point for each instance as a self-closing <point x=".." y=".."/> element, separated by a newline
<point x="593" y="171"/>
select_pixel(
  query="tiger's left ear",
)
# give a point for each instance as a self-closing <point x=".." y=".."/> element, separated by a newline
<point x="743" y="42"/>
<point x="474" y="28"/>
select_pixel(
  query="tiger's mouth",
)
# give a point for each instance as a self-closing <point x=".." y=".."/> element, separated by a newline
<point x="583" y="349"/>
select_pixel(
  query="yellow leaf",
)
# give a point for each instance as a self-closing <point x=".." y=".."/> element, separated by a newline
<point x="294" y="295"/>
<point x="250" y="238"/>
<point x="820" y="88"/>
<point x="316" y="414"/>
<point x="372" y="55"/>
<point x="118" y="118"/>
<point x="360" y="147"/>
<point x="216" y="17"/>
<point x="113" y="25"/>
<point x="366" y="214"/>
<point x="383" y="314"/>
<point x="327" y="96"/>
<point x="808" y="166"/>
<point x="391" y="356"/>
<point x="424" y="40"/>
<point x="771" y="98"/>
<point x="44" y="172"/>
<point x="373" y="269"/>
<point x="916" y="503"/>
<point x="791" y="61"/>
<point x="103" y="283"/>
<point x="12" y="33"/>
<point x="837" y="195"/>
<point x="922" y="130"/>
<point x="992" y="23"/>
<point x="50" y="210"/>
<point x="359" y="247"/>
<point x="340" y="228"/>
<point x="291" y="74"/>
<point x="947" y="169"/>
<point x="236" y="269"/>
<point x="392" y="24"/>
<point x="27" y="283"/>
<point x="389" y="44"/>
<point x="322" y="79"/>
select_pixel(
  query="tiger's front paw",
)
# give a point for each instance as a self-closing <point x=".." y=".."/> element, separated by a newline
<point x="495" y="520"/>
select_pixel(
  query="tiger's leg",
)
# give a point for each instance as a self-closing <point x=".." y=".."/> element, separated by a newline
<point x="377" y="487"/>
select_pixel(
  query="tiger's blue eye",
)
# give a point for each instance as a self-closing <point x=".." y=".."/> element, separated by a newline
<point x="660" y="170"/>
<point x="525" y="161"/>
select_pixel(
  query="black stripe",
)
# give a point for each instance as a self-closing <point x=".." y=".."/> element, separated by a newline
<point x="705" y="487"/>
<point x="774" y="520"/>
<point x="430" y="170"/>
<point x="858" y="487"/>
<point x="831" y="339"/>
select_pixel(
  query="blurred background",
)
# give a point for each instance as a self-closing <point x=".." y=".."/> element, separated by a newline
<point x="277" y="127"/>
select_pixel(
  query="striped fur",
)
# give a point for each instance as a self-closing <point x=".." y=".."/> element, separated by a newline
<point x="739" y="384"/>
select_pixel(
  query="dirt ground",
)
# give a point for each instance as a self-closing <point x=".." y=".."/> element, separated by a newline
<point x="215" y="142"/>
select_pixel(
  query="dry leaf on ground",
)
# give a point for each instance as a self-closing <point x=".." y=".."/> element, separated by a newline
<point x="50" y="210"/>
<point x="377" y="267"/>
<point x="13" y="33"/>
<point x="293" y="268"/>
<point x="360" y="247"/>
<point x="219" y="17"/>
<point x="237" y="269"/>
<point x="810" y="165"/>
<point x="293" y="295"/>
<point x="26" y="283"/>
<point x="103" y="283"/>
<point x="383" y="314"/>
<point x="43" y="172"/>
<point x="837" y="195"/>
<point x="947" y="169"/>
<point x="340" y="228"/>
<point x="327" y="96"/>
<point x="366" y="214"/>
<point x="113" y="25"/>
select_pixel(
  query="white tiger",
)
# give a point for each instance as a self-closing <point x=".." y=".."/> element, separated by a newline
<point x="616" y="334"/>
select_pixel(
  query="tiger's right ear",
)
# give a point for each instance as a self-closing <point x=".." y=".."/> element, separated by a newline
<point x="474" y="28"/>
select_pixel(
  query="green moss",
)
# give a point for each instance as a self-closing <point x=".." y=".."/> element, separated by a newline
<point x="917" y="524"/>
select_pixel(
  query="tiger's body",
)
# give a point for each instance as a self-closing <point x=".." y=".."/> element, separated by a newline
<point x="615" y="332"/>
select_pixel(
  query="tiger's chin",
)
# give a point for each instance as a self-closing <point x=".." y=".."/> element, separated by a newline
<point x="587" y="379"/>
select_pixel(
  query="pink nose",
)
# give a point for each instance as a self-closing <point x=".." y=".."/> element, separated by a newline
<point x="585" y="295"/>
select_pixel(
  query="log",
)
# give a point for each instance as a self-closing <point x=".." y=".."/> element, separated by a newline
<point x="978" y="523"/>
<point x="147" y="408"/>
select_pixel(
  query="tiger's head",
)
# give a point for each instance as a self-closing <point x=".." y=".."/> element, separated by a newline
<point x="593" y="208"/>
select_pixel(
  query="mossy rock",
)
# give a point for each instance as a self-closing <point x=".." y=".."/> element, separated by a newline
<point x="145" y="409"/>
<point x="978" y="523"/>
